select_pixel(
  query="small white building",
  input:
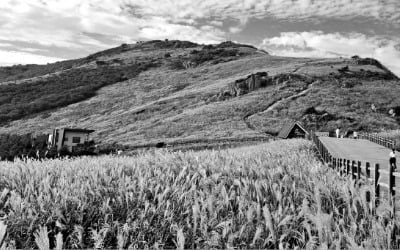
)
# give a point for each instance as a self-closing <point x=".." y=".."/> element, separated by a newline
<point x="69" y="137"/>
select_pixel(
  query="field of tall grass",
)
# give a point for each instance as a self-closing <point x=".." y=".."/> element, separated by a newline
<point x="274" y="195"/>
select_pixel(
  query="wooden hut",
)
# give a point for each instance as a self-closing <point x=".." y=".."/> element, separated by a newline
<point x="292" y="130"/>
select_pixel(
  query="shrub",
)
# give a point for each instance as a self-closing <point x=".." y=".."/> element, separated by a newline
<point x="176" y="64"/>
<point x="18" y="146"/>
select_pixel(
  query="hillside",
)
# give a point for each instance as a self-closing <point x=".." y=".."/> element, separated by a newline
<point x="183" y="93"/>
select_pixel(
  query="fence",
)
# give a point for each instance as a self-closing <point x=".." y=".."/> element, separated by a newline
<point x="389" y="143"/>
<point x="326" y="134"/>
<point x="370" y="172"/>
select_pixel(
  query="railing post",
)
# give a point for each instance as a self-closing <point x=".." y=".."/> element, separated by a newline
<point x="368" y="170"/>
<point x="376" y="185"/>
<point x="348" y="167"/>
<point x="353" y="164"/>
<point x="391" y="189"/>
<point x="334" y="163"/>
<point x="340" y="166"/>
<point x="359" y="170"/>
<point x="368" y="175"/>
<point x="330" y="164"/>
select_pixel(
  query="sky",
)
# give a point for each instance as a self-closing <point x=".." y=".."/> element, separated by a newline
<point x="45" y="31"/>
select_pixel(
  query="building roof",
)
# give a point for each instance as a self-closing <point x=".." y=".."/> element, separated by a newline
<point x="79" y="130"/>
<point x="285" y="131"/>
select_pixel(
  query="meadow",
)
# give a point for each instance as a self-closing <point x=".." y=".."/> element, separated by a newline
<point x="272" y="195"/>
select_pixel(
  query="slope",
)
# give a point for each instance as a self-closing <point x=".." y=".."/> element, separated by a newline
<point x="195" y="94"/>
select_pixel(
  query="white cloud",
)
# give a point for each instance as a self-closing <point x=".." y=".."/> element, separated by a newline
<point x="242" y="10"/>
<point x="16" y="57"/>
<point x="235" y="29"/>
<point x="216" y="23"/>
<point x="32" y="50"/>
<point x="68" y="24"/>
<point x="319" y="44"/>
<point x="5" y="44"/>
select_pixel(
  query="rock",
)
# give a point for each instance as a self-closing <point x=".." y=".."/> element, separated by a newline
<point x="250" y="83"/>
<point x="344" y="69"/>
<point x="350" y="83"/>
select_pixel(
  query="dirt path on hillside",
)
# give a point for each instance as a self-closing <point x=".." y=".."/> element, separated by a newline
<point x="273" y="106"/>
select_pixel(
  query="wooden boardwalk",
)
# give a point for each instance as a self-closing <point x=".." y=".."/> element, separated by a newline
<point x="358" y="149"/>
<point x="365" y="151"/>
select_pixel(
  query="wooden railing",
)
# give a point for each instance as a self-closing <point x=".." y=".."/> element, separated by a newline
<point x="326" y="134"/>
<point x="386" y="142"/>
<point x="371" y="172"/>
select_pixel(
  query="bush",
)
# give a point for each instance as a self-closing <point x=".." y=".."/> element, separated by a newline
<point x="176" y="64"/>
<point x="19" y="146"/>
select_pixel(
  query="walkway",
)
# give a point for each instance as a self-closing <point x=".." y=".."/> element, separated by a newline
<point x="360" y="150"/>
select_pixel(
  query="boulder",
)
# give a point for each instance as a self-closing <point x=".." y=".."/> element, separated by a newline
<point x="250" y="83"/>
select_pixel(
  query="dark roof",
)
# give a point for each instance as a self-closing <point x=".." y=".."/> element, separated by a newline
<point x="285" y="131"/>
<point x="79" y="130"/>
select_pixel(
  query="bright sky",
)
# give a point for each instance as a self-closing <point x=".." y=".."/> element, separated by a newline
<point x="41" y="31"/>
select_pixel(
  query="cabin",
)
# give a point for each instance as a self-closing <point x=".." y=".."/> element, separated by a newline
<point x="292" y="130"/>
<point x="70" y="138"/>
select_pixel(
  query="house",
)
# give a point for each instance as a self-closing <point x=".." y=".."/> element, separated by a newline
<point x="293" y="130"/>
<point x="69" y="138"/>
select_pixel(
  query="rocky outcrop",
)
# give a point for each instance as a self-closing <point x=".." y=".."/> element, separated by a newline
<point x="261" y="80"/>
<point x="388" y="75"/>
<point x="366" y="61"/>
<point x="251" y="82"/>
<point x="256" y="81"/>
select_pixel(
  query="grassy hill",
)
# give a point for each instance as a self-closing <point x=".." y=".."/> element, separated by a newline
<point x="188" y="95"/>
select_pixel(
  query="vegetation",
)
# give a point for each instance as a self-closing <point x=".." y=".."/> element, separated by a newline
<point x="20" y="100"/>
<point x="20" y="146"/>
<point x="274" y="195"/>
<point x="187" y="96"/>
<point x="18" y="72"/>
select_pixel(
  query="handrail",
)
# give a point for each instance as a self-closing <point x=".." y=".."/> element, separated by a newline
<point x="354" y="169"/>
<point x="373" y="137"/>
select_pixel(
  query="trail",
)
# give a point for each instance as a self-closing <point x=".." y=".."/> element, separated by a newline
<point x="273" y="106"/>
<point x="360" y="150"/>
<point x="292" y="97"/>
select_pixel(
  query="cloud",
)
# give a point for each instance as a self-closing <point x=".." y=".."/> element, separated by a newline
<point x="5" y="44"/>
<point x="216" y="23"/>
<point x="242" y="10"/>
<point x="16" y="57"/>
<point x="320" y="44"/>
<point x="65" y="23"/>
<point x="235" y="29"/>
<point x="86" y="26"/>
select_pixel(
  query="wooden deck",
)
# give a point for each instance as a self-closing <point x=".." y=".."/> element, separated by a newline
<point x="358" y="149"/>
<point x="364" y="151"/>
